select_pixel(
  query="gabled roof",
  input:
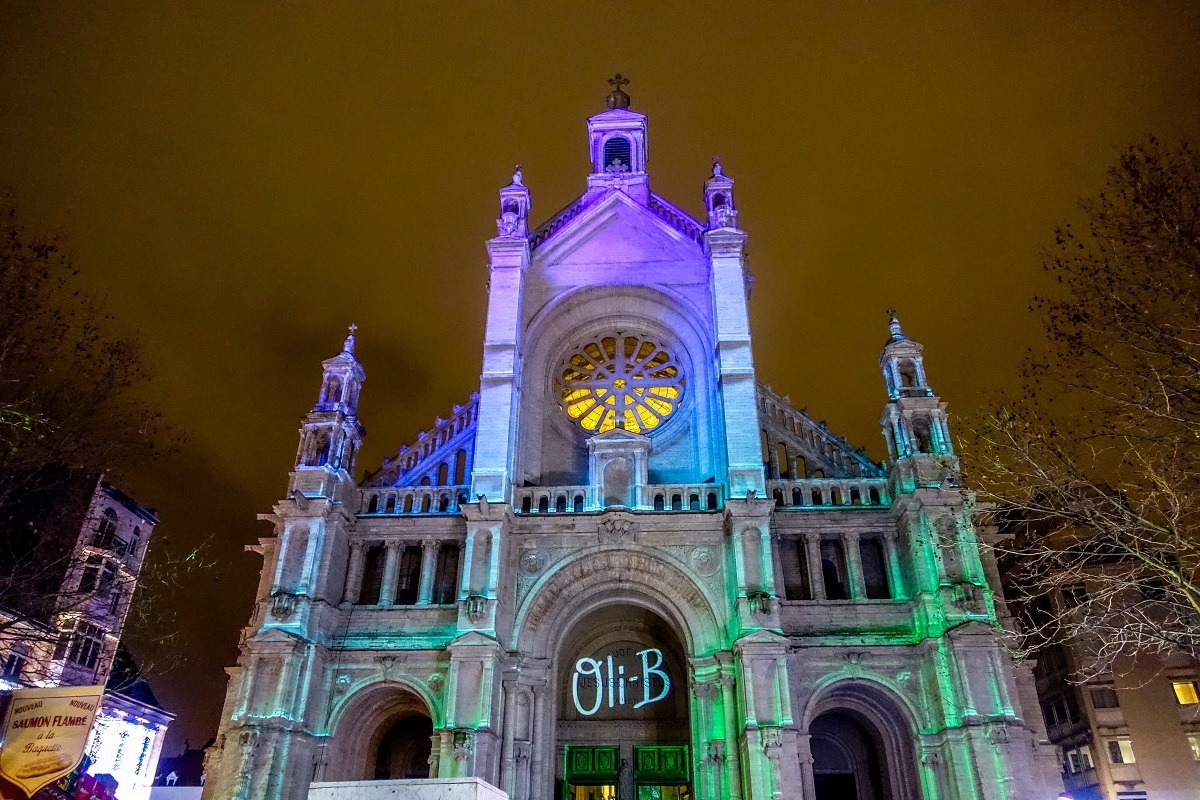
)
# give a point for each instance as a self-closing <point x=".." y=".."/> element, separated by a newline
<point x="674" y="217"/>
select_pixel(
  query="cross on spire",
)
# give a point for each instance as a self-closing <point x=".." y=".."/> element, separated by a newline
<point x="617" y="98"/>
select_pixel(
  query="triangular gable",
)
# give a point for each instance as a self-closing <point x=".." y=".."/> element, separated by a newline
<point x="616" y="229"/>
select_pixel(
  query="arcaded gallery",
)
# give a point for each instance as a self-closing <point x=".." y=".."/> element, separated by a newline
<point x="625" y="568"/>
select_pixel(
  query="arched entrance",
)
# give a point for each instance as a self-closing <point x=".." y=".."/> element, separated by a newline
<point x="622" y="708"/>
<point x="404" y="749"/>
<point x="846" y="762"/>
<point x="862" y="743"/>
<point x="383" y="731"/>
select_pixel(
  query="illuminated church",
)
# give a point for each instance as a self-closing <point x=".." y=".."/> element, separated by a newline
<point x="625" y="569"/>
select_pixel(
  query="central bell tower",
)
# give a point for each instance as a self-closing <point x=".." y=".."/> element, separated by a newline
<point x="621" y="312"/>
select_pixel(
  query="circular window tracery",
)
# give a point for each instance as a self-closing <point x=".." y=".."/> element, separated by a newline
<point x="620" y="381"/>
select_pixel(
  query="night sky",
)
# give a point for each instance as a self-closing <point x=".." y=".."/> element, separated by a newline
<point x="243" y="181"/>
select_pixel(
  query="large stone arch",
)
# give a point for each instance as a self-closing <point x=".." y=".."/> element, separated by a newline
<point x="883" y="709"/>
<point x="683" y="444"/>
<point x="606" y="575"/>
<point x="359" y="720"/>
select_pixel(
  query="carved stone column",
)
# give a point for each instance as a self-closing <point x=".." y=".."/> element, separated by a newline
<point x="804" y="751"/>
<point x="895" y="575"/>
<point x="854" y="570"/>
<point x="464" y="584"/>
<point x="387" y="589"/>
<point x="537" y="777"/>
<point x="358" y="559"/>
<point x="429" y="557"/>
<point x="507" y="762"/>
<point x="732" y="744"/>
<point x="812" y="559"/>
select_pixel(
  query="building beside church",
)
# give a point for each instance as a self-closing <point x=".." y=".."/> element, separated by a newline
<point x="71" y="570"/>
<point x="625" y="567"/>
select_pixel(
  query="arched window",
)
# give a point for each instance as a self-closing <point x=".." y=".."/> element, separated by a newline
<point x="873" y="493"/>
<point x="778" y="495"/>
<point x="106" y="531"/>
<point x="426" y="502"/>
<point x="445" y="587"/>
<point x="578" y="505"/>
<point x="443" y="474"/>
<point x="408" y="504"/>
<point x="526" y="504"/>
<point x="833" y="569"/>
<point x="460" y="467"/>
<point x="817" y="500"/>
<point x="676" y="502"/>
<point x="712" y="501"/>
<point x="391" y="504"/>
<point x="908" y="374"/>
<point x="561" y="503"/>
<point x="444" y="503"/>
<point x="659" y="503"/>
<point x="797" y="497"/>
<point x="373" y="506"/>
<point x="617" y="155"/>
<point x="694" y="502"/>
<point x="543" y="504"/>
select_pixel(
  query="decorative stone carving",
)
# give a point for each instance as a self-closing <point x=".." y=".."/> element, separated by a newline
<point x="436" y="681"/>
<point x="772" y="740"/>
<point x="341" y="684"/>
<point x="476" y="606"/>
<point x="716" y="751"/>
<point x="760" y="602"/>
<point x="705" y="560"/>
<point x="617" y="529"/>
<point x="533" y="561"/>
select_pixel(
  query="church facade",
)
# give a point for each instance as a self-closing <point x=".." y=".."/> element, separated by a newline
<point x="625" y="568"/>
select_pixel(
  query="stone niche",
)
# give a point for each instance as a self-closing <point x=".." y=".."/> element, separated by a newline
<point x="618" y="469"/>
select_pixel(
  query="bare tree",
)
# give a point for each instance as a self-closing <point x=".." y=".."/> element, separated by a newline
<point x="72" y="408"/>
<point x="1095" y="465"/>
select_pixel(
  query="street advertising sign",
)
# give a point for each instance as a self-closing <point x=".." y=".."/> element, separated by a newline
<point x="45" y="733"/>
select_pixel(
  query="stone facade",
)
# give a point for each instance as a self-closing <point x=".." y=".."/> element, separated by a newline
<point x="625" y="567"/>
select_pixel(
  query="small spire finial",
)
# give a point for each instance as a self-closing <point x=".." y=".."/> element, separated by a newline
<point x="717" y="171"/>
<point x="348" y="346"/>
<point x="894" y="324"/>
<point x="617" y="97"/>
<point x="517" y="176"/>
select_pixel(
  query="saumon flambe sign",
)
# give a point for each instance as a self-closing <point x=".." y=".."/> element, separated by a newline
<point x="45" y="732"/>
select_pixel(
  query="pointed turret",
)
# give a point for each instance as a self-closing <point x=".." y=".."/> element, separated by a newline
<point x="617" y="140"/>
<point x="914" y="420"/>
<point x="718" y="199"/>
<point x="514" y="208"/>
<point x="331" y="434"/>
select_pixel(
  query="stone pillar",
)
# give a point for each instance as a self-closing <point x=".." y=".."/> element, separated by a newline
<point x="804" y="750"/>
<point x="732" y="740"/>
<point x="493" y="572"/>
<point x="429" y="557"/>
<point x="358" y="560"/>
<point x="387" y="589"/>
<point x="812" y="558"/>
<point x="537" y="778"/>
<point x="507" y="762"/>
<point x="464" y="584"/>
<point x="854" y="570"/>
<point x="739" y="559"/>
<point x="895" y="575"/>
<point x="766" y="561"/>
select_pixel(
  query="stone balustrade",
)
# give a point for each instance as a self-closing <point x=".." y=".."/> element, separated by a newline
<point x="826" y="492"/>
<point x="415" y="500"/>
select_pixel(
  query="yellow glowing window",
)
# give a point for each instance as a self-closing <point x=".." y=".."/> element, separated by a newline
<point x="1185" y="693"/>
<point x="620" y="380"/>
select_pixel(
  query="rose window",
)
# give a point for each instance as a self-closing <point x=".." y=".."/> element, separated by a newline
<point x="620" y="381"/>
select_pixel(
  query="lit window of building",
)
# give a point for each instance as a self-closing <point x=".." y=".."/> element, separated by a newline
<point x="1185" y="692"/>
<point x="1120" y="751"/>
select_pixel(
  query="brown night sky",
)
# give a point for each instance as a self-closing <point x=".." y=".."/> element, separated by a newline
<point x="243" y="181"/>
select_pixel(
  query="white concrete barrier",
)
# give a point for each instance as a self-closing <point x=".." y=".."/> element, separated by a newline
<point x="414" y="789"/>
